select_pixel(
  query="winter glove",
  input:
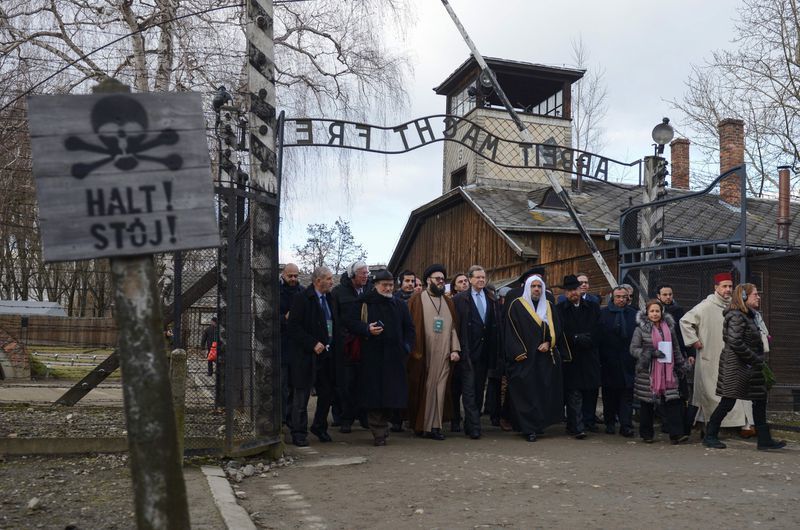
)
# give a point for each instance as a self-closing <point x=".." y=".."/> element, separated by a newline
<point x="658" y="354"/>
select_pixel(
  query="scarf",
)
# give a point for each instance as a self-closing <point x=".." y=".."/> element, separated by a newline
<point x="619" y="318"/>
<point x="662" y="376"/>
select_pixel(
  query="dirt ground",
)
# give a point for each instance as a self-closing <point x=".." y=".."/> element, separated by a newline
<point x="605" y="481"/>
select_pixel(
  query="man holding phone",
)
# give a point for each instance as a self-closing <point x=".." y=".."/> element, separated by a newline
<point x="387" y="336"/>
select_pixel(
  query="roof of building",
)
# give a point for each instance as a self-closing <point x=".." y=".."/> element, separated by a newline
<point x="599" y="206"/>
<point x="29" y="308"/>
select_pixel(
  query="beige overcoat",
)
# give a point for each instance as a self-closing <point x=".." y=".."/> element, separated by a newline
<point x="704" y="323"/>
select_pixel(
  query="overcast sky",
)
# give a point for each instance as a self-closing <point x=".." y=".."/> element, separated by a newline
<point x="646" y="50"/>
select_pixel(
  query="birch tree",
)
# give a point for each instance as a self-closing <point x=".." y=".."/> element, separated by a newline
<point x="757" y="81"/>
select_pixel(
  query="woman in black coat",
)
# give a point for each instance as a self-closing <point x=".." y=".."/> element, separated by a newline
<point x="741" y="366"/>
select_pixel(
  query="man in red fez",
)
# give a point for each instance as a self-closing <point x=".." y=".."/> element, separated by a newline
<point x="701" y="328"/>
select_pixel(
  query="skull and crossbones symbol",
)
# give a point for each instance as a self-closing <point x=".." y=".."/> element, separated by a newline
<point x="120" y="123"/>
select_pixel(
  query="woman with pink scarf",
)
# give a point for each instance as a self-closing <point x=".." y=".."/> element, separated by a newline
<point x="658" y="356"/>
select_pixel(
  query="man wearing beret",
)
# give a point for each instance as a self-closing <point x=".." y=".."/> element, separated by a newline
<point x="701" y="328"/>
<point x="435" y="347"/>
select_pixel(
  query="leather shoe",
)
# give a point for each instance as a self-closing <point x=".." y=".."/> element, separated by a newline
<point x="345" y="429"/>
<point x="475" y="435"/>
<point x="379" y="442"/>
<point x="627" y="432"/>
<point x="300" y="442"/>
<point x="580" y="436"/>
<point x="530" y="437"/>
<point x="322" y="435"/>
<point x="436" y="434"/>
<point x="505" y="425"/>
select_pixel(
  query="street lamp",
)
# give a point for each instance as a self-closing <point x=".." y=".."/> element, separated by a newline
<point x="662" y="135"/>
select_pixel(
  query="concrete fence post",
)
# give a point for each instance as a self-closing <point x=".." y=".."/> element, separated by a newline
<point x="177" y="377"/>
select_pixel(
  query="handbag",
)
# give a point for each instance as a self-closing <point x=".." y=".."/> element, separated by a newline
<point x="212" y="352"/>
<point x="769" y="376"/>
<point x="352" y="343"/>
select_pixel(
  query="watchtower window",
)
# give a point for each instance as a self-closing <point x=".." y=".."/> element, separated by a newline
<point x="458" y="177"/>
<point x="552" y="106"/>
<point x="461" y="102"/>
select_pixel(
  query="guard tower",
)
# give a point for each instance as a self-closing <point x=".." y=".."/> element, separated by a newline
<point x="540" y="94"/>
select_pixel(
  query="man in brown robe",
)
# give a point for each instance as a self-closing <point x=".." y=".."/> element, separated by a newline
<point x="435" y="347"/>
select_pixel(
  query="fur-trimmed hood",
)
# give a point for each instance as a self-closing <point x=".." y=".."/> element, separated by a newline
<point x="643" y="322"/>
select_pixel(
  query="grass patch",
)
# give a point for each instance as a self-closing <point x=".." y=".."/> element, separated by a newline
<point x="39" y="370"/>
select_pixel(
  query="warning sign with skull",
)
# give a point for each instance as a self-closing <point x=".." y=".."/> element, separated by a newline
<point x="121" y="174"/>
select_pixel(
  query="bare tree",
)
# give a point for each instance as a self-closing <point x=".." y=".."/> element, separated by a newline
<point x="588" y="102"/>
<point x="334" y="247"/>
<point x="758" y="82"/>
<point x="331" y="59"/>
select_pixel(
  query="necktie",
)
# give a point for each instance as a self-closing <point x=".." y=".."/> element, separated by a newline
<point x="481" y="305"/>
<point x="325" y="308"/>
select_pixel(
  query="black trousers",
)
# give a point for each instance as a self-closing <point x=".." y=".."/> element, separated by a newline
<point x="492" y="405"/>
<point x="323" y="383"/>
<point x="468" y="378"/>
<point x="673" y="417"/>
<point x="581" y="405"/>
<point x="456" y="386"/>
<point x="589" y="405"/>
<point x="347" y="392"/>
<point x="726" y="405"/>
<point x="286" y="395"/>
<point x="618" y="404"/>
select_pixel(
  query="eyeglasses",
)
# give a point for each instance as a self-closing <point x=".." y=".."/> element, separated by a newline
<point x="584" y="283"/>
<point x="437" y="278"/>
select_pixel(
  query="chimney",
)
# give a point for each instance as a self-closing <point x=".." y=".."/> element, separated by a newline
<point x="731" y="154"/>
<point x="679" y="153"/>
<point x="784" y="214"/>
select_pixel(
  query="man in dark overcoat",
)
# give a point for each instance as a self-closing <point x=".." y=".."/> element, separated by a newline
<point x="477" y="316"/>
<point x="313" y="337"/>
<point x="289" y="287"/>
<point x="581" y="359"/>
<point x="353" y="284"/>
<point x="383" y="324"/>
<point x="617" y="365"/>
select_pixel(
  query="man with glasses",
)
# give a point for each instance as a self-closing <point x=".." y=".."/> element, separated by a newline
<point x="617" y="366"/>
<point x="583" y="280"/>
<point x="435" y="347"/>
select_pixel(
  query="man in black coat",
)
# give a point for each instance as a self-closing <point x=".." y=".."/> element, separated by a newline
<point x="289" y="287"/>
<point x="383" y="325"/>
<point x="666" y="296"/>
<point x="353" y="284"/>
<point x="578" y="344"/>
<point x="406" y="284"/>
<point x="477" y="317"/>
<point x="617" y="365"/>
<point x="313" y="338"/>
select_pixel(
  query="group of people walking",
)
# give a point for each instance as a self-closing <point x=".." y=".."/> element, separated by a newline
<point x="389" y="352"/>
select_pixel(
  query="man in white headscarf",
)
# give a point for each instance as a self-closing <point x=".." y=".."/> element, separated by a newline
<point x="534" y="364"/>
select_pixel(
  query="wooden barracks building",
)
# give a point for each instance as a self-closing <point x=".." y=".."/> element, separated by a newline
<point x="510" y="219"/>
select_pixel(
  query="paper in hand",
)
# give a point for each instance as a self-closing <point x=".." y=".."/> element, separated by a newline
<point x="665" y="348"/>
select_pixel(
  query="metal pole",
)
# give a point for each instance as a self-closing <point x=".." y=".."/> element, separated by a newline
<point x="156" y="470"/>
<point x="264" y="216"/>
<point x="528" y="138"/>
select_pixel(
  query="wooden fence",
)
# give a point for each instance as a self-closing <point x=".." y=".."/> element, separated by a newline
<point x="82" y="332"/>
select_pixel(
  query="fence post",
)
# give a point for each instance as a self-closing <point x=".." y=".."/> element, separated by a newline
<point x="177" y="378"/>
